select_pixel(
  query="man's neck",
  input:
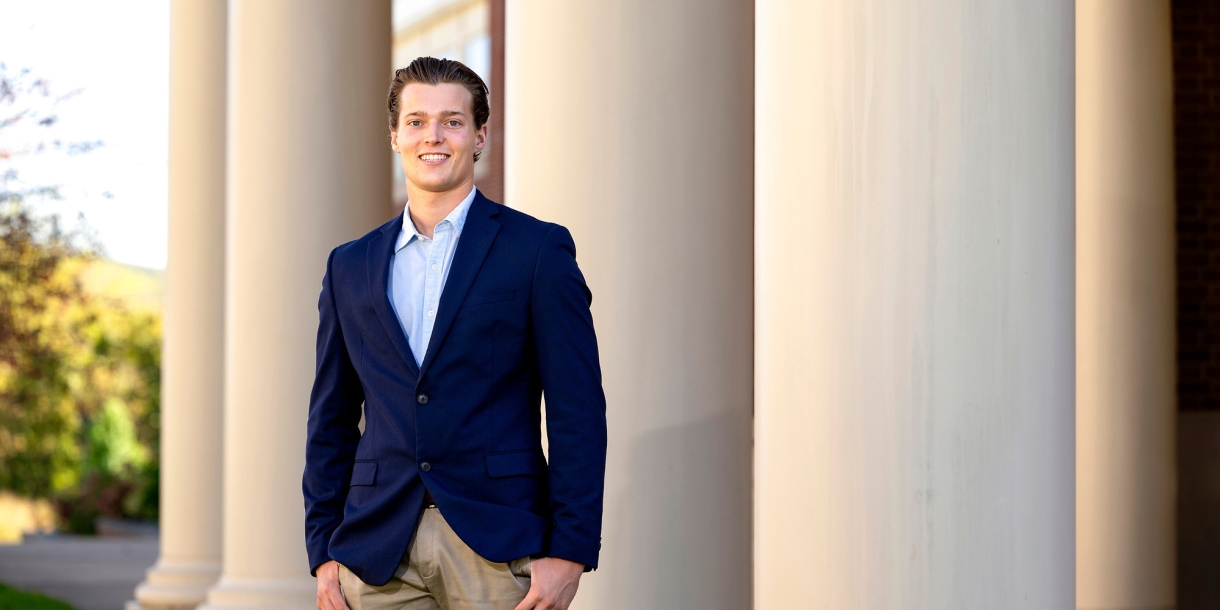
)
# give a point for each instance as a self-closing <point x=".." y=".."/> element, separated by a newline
<point x="428" y="208"/>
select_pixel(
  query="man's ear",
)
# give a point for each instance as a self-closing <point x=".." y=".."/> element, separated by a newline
<point x="480" y="138"/>
<point x="394" y="141"/>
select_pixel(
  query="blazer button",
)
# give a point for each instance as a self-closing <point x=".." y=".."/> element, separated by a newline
<point x="425" y="466"/>
<point x="422" y="399"/>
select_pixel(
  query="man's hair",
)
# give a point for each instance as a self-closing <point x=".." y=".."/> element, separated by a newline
<point x="433" y="71"/>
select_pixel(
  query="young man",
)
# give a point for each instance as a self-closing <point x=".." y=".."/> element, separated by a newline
<point x="449" y="323"/>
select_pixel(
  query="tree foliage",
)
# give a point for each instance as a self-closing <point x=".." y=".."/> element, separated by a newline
<point x="79" y="372"/>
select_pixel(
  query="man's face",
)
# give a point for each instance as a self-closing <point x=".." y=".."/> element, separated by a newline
<point x="436" y="137"/>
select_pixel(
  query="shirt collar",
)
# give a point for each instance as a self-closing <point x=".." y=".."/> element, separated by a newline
<point x="456" y="218"/>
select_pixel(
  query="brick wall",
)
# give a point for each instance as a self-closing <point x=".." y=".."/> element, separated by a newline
<point x="492" y="183"/>
<point x="1196" y="63"/>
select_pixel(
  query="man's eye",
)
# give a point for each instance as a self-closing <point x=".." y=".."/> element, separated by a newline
<point x="414" y="123"/>
<point x="455" y="123"/>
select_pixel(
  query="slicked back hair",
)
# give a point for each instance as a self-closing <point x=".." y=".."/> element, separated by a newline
<point x="433" y="71"/>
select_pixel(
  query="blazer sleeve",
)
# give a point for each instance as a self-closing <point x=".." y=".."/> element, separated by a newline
<point x="333" y="429"/>
<point x="570" y="373"/>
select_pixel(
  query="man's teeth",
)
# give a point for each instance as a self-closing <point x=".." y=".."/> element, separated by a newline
<point x="433" y="157"/>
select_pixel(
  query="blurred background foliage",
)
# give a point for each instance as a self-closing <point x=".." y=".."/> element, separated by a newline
<point x="80" y="342"/>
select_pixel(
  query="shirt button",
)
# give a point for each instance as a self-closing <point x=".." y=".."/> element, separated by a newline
<point x="425" y="466"/>
<point x="422" y="399"/>
<point x="434" y="267"/>
<point x="429" y="312"/>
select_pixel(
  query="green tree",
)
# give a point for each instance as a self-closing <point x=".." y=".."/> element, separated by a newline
<point x="39" y="421"/>
<point x="79" y="372"/>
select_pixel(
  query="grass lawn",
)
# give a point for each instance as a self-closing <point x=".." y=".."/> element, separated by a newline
<point x="12" y="599"/>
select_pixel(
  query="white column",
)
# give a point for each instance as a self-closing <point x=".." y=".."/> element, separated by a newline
<point x="192" y="353"/>
<point x="1126" y="400"/>
<point x="307" y="171"/>
<point x="631" y="123"/>
<point x="914" y="305"/>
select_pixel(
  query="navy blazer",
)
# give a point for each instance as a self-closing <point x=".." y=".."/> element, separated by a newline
<point x="513" y="323"/>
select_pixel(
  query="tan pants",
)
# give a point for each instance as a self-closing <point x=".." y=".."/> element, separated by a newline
<point x="440" y="572"/>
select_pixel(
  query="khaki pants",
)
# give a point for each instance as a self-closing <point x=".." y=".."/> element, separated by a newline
<point x="440" y="572"/>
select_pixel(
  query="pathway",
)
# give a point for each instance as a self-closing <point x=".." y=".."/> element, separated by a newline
<point x="89" y="573"/>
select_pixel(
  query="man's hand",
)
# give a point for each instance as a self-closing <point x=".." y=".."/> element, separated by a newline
<point x="553" y="583"/>
<point x="329" y="595"/>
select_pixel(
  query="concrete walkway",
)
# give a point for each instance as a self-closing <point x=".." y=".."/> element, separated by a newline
<point x="89" y="573"/>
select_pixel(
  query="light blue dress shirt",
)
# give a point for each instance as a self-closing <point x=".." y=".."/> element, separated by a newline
<point x="418" y="271"/>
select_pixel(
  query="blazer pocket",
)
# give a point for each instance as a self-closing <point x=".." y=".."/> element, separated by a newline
<point x="511" y="463"/>
<point x="494" y="296"/>
<point x="364" y="472"/>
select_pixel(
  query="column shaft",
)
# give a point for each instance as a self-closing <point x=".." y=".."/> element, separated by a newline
<point x="914" y="297"/>
<point x="1125" y="334"/>
<point x="307" y="171"/>
<point x="631" y="123"/>
<point x="192" y="356"/>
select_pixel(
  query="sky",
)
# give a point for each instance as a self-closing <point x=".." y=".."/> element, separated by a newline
<point x="116" y="53"/>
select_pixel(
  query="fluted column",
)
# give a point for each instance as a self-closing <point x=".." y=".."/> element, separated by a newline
<point x="1126" y="401"/>
<point x="630" y="122"/>
<point x="192" y="354"/>
<point x="914" y="266"/>
<point x="308" y="170"/>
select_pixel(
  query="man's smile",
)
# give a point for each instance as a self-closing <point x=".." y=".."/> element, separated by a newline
<point x="434" y="158"/>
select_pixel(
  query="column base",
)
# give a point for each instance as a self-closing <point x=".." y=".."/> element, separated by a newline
<point x="233" y="593"/>
<point x="175" y="585"/>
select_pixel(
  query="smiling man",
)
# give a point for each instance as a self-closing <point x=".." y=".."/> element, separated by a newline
<point x="448" y="324"/>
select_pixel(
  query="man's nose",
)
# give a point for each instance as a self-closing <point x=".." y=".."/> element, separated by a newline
<point x="433" y="134"/>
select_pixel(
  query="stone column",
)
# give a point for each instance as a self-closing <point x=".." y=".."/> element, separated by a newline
<point x="192" y="357"/>
<point x="914" y="361"/>
<point x="631" y="123"/>
<point x="1126" y="401"/>
<point x="307" y="171"/>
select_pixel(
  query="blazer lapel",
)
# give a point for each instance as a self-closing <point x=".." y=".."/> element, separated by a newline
<point x="473" y="244"/>
<point x="381" y="250"/>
